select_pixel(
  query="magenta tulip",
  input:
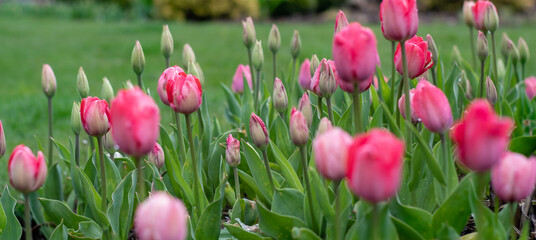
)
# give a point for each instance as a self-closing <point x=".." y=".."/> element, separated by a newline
<point x="95" y="116"/>
<point x="419" y="58"/>
<point x="340" y="22"/>
<point x="305" y="75"/>
<point x="432" y="107"/>
<point x="184" y="93"/>
<point x="530" y="87"/>
<point x="331" y="149"/>
<point x="27" y="173"/>
<point x="513" y="177"/>
<point x="156" y="156"/>
<point x="161" y="217"/>
<point x="169" y="73"/>
<point x="232" y="152"/>
<point x="399" y="18"/>
<point x="242" y="71"/>
<point x="402" y="105"/>
<point x="479" y="13"/>
<point x="299" y="132"/>
<point x="135" y="121"/>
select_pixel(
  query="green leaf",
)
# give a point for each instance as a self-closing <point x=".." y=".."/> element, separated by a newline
<point x="179" y="185"/>
<point x="12" y="229"/>
<point x="291" y="178"/>
<point x="248" y="180"/>
<point x="209" y="224"/>
<point x="455" y="210"/>
<point x="86" y="230"/>
<point x="122" y="206"/>
<point x="59" y="212"/>
<point x="525" y="145"/>
<point x="93" y="200"/>
<point x="246" y="210"/>
<point x="280" y="136"/>
<point x="233" y="114"/>
<point x="240" y="233"/>
<point x="320" y="194"/>
<point x="258" y="170"/>
<point x="391" y="120"/>
<point x="430" y="160"/>
<point x="405" y="231"/>
<point x="416" y="218"/>
<point x="363" y="228"/>
<point x="53" y="184"/>
<point x="60" y="233"/>
<point x="276" y="225"/>
<point x="63" y="152"/>
<point x="289" y="202"/>
<point x="377" y="118"/>
<point x="304" y="234"/>
<point x="487" y="222"/>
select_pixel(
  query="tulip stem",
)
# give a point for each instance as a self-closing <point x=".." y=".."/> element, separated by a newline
<point x="522" y="72"/>
<point x="319" y="107"/>
<point x="337" y="188"/>
<point x="494" y="58"/>
<point x="140" y="82"/>
<point x="251" y="70"/>
<point x="197" y="187"/>
<point x="303" y="151"/>
<point x="293" y="71"/>
<point x="482" y="79"/>
<point x="140" y="187"/>
<point x="481" y="189"/>
<point x="257" y="91"/>
<point x="274" y="61"/>
<point x="472" y="39"/>
<point x="392" y="81"/>
<point x="27" y="218"/>
<point x="182" y="150"/>
<point x="77" y="149"/>
<point x="201" y="124"/>
<point x="104" y="204"/>
<point x="357" y="109"/>
<point x="237" y="183"/>
<point x="434" y="75"/>
<point x="375" y="223"/>
<point x="406" y="93"/>
<point x="268" y="170"/>
<point x="167" y="62"/>
<point x="330" y="110"/>
<point x="50" y="132"/>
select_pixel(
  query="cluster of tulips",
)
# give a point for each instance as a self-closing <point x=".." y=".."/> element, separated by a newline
<point x="395" y="178"/>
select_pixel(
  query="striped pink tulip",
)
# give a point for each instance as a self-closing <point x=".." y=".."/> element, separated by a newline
<point x="27" y="173"/>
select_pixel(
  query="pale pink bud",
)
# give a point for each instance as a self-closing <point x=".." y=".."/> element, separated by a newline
<point x="305" y="75"/>
<point x="323" y="126"/>
<point x="331" y="149"/>
<point x="513" y="177"/>
<point x="156" y="156"/>
<point x="299" y="132"/>
<point x="169" y="73"/>
<point x="468" y="13"/>
<point x="304" y="106"/>
<point x="184" y="93"/>
<point x="432" y="107"/>
<point x="323" y="83"/>
<point x="27" y="173"/>
<point x="48" y="81"/>
<point x="341" y="21"/>
<point x="280" y="96"/>
<point x="530" y="87"/>
<point x="402" y="106"/>
<point x="399" y="19"/>
<point x="479" y="14"/>
<point x="135" y="121"/>
<point x="95" y="116"/>
<point x="249" y="32"/>
<point x="418" y="57"/>
<point x="161" y="217"/>
<point x="232" y="153"/>
<point x="242" y="71"/>
<point x="258" y="131"/>
<point x="2" y="141"/>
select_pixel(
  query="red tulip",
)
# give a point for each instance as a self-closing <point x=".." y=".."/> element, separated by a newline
<point x="513" y="177"/>
<point x="135" y="121"/>
<point x="402" y="105"/>
<point x="375" y="165"/>
<point x="95" y="116"/>
<point x="482" y="136"/>
<point x="530" y="87"/>
<point x="299" y="132"/>
<point x="156" y="156"/>
<point x="232" y="153"/>
<point x="305" y="75"/>
<point x="27" y="173"/>
<point x="161" y="217"/>
<point x="242" y="71"/>
<point x="432" y="107"/>
<point x="341" y="21"/>
<point x="399" y="18"/>
<point x="169" y="73"/>
<point x="184" y="93"/>
<point x="479" y="13"/>
<point x="418" y="57"/>
<point x="355" y="54"/>
<point x="331" y="149"/>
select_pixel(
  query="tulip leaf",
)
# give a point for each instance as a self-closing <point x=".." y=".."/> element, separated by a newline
<point x="304" y="234"/>
<point x="60" y="233"/>
<point x="430" y="159"/>
<point x="63" y="152"/>
<point x="289" y="202"/>
<point x="122" y="205"/>
<point x="12" y="229"/>
<point x="246" y="210"/>
<point x="93" y="200"/>
<point x="455" y="210"/>
<point x="320" y="194"/>
<point x="178" y="183"/>
<point x="59" y="212"/>
<point x="525" y="145"/>
<point x="250" y="182"/>
<point x="291" y="178"/>
<point x="391" y="120"/>
<point x="377" y="118"/>
<point x="209" y="224"/>
<point x="487" y="222"/>
<point x="113" y="177"/>
<point x="240" y="233"/>
<point x="279" y="134"/>
<point x="405" y="231"/>
<point x="276" y="225"/>
<point x="258" y="170"/>
<point x="86" y="230"/>
<point x="53" y="184"/>
<point x="367" y="214"/>
<point x="417" y="219"/>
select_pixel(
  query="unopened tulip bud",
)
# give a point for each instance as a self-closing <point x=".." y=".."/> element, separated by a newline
<point x="129" y="85"/>
<point x="314" y="64"/>
<point x="530" y="87"/>
<point x="304" y="79"/>
<point x="456" y="55"/>
<point x="156" y="156"/>
<point x="341" y="21"/>
<point x="138" y="59"/>
<point x="27" y="173"/>
<point x="258" y="131"/>
<point x="468" y="88"/>
<point x="192" y="69"/>
<point x="161" y="216"/>
<point x="304" y="106"/>
<point x="232" y="153"/>
<point x="323" y="82"/>
<point x="108" y="141"/>
<point x="230" y="194"/>
<point x="187" y="55"/>
<point x="200" y="73"/>
<point x="257" y="57"/>
<point x="76" y="124"/>
<point x="501" y="69"/>
<point x="249" y="32"/>
<point x="491" y="18"/>
<point x="402" y="106"/>
<point x="513" y="177"/>
<point x="2" y="141"/>
<point x="274" y="39"/>
<point x="468" y="13"/>
<point x="323" y="126"/>
<point x="82" y="83"/>
<point x="432" y="107"/>
<point x="185" y="93"/>
<point x="513" y="52"/>
<point x="432" y="48"/>
<point x="299" y="132"/>
<point x="107" y="91"/>
<point x="95" y="116"/>
<point x="523" y="49"/>
<point x="482" y="46"/>
<point x="166" y="42"/>
<point x="504" y="45"/>
<point x="295" y="44"/>
<point x="48" y="81"/>
<point x="491" y="91"/>
<point x="331" y="149"/>
<point x="280" y="96"/>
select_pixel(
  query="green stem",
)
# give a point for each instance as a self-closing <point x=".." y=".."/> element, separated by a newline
<point x="104" y="203"/>
<point x="167" y="62"/>
<point x="140" y="82"/>
<point x="472" y="39"/>
<point x="274" y="61"/>
<point x="50" y="132"/>
<point x="27" y="218"/>
<point x="434" y="75"/>
<point x="251" y="70"/>
<point x="268" y="170"/>
<point x="513" y="222"/>
<point x="406" y="93"/>
<point x="303" y="151"/>
<point x="237" y="183"/>
<point x="77" y="149"/>
<point x="201" y="123"/>
<point x="375" y="223"/>
<point x="357" y="109"/>
<point x="181" y="150"/>
<point x="522" y="72"/>
<point x="319" y="107"/>
<point x="140" y="187"/>
<point x="445" y="165"/>
<point x="481" y="189"/>
<point x="330" y="110"/>
<point x="494" y="59"/>
<point x="91" y="144"/>
<point x="197" y="186"/>
<point x="393" y="72"/>
<point x="257" y="91"/>
<point x="482" y="79"/>
<point x="398" y="96"/>
<point x="338" y="233"/>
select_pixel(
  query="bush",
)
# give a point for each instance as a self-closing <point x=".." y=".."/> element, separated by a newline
<point x="449" y="5"/>
<point x="206" y="9"/>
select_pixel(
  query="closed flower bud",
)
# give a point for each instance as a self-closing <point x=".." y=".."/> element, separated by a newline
<point x="467" y="86"/>
<point x="491" y="91"/>
<point x="232" y="153"/>
<point x="128" y="84"/>
<point x="299" y="132"/>
<point x="249" y="32"/>
<point x="323" y="83"/>
<point x="323" y="126"/>
<point x="82" y="83"/>
<point x="184" y="93"/>
<point x="399" y="19"/>
<point x="274" y="39"/>
<point x="257" y="57"/>
<point x="417" y="54"/>
<point x="2" y="141"/>
<point x="513" y="52"/>
<point x="109" y="143"/>
<point x="482" y="46"/>
<point x="304" y="79"/>
<point x="258" y="131"/>
<point x="374" y="169"/>
<point x="432" y="107"/>
<point x="95" y="116"/>
<point x="330" y="149"/>
<point x="161" y="216"/>
<point x="513" y="177"/>
<point x="468" y="13"/>
<point x="304" y="106"/>
<point x="295" y="44"/>
<point x="187" y="55"/>
<point x="456" y="55"/>
<point x="200" y="73"/>
<point x="501" y="70"/>
<point x="230" y="194"/>
<point x="341" y="21"/>
<point x="314" y="64"/>
<point x="432" y="48"/>
<point x="504" y="45"/>
<point x="138" y="59"/>
<point x="480" y="10"/>
<point x="107" y="91"/>
<point x="76" y="123"/>
<point x="166" y="42"/>
<point x="48" y="81"/>
<point x="135" y="121"/>
<point x="530" y="87"/>
<point x="242" y="71"/>
<point x="27" y="173"/>
<point x="523" y="50"/>
<point x="280" y="96"/>
<point x="156" y="156"/>
<point x="169" y="73"/>
<point x="491" y="18"/>
<point x="192" y="69"/>
<point x="402" y="106"/>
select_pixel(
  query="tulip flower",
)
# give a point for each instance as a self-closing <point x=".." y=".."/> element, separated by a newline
<point x="295" y="45"/>
<point x="138" y="62"/>
<point x="156" y="156"/>
<point x="513" y="177"/>
<point x="232" y="155"/>
<point x="349" y="87"/>
<point x="375" y="165"/>
<point x="2" y="141"/>
<point x="313" y="66"/>
<point x="482" y="46"/>
<point x="109" y="144"/>
<point x="304" y="106"/>
<point x="432" y="107"/>
<point x="468" y="13"/>
<point x="504" y="45"/>
<point x="258" y="131"/>
<point x="331" y="149"/>
<point x="166" y="44"/>
<point x="479" y="13"/>
<point x="274" y="39"/>
<point x="82" y="84"/>
<point x="482" y="136"/>
<point x="530" y="87"/>
<point x="161" y="217"/>
<point x="95" y="116"/>
<point x="305" y="75"/>
<point x="107" y="90"/>
<point x="184" y="93"/>
<point x="323" y="126"/>
<point x="187" y="55"/>
<point x="324" y="82"/>
<point x="279" y="96"/>
<point x="419" y="58"/>
<point x="491" y="18"/>
<point x="249" y="32"/>
<point x="169" y="73"/>
<point x="402" y="105"/>
<point x="27" y="173"/>
<point x="340" y="22"/>
<point x="299" y="132"/>
<point x="399" y="19"/>
<point x="491" y="91"/>
<point x="242" y="71"/>
<point x="48" y="81"/>
<point x="523" y="49"/>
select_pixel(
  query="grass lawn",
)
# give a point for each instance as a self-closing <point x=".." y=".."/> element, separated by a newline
<point x="104" y="49"/>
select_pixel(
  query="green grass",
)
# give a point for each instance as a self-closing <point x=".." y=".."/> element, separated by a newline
<point x="104" y="49"/>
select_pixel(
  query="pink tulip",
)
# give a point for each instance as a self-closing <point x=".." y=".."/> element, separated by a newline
<point x="530" y="87"/>
<point x="2" y="141"/>
<point x="432" y="107"/>
<point x="482" y="136"/>
<point x="232" y="153"/>
<point x="375" y="165"/>
<point x="242" y="71"/>
<point x="135" y="121"/>
<point x="304" y="106"/>
<point x="169" y="73"/>
<point x="349" y="87"/>
<point x="513" y="177"/>
<point x="299" y="132"/>
<point x="402" y="105"/>
<point x="341" y="21"/>
<point x="184" y="93"/>
<point x="95" y="116"/>
<point x="156" y="156"/>
<point x="479" y="13"/>
<point x="305" y="75"/>
<point x="330" y="149"/>
<point x="27" y="173"/>
<point x="323" y="126"/>
<point x="399" y="18"/>
<point x="468" y="13"/>
<point x="355" y="54"/>
<point x="258" y="131"/>
<point x="418" y="57"/>
<point x="324" y="82"/>
<point x="161" y="217"/>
